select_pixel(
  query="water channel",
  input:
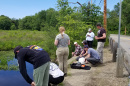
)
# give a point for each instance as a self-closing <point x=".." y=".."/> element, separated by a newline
<point x="13" y="77"/>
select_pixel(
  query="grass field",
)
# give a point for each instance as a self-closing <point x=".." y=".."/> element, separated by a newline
<point x="12" y="38"/>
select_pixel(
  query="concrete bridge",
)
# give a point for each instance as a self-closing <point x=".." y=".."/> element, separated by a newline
<point x="123" y="54"/>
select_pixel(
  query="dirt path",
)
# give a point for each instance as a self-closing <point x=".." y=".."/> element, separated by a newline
<point x="102" y="75"/>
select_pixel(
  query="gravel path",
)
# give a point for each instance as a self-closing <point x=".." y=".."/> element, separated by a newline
<point x="102" y="75"/>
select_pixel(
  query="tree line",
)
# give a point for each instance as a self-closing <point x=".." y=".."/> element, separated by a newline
<point x="74" y="19"/>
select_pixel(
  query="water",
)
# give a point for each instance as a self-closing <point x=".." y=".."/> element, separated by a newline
<point x="13" y="77"/>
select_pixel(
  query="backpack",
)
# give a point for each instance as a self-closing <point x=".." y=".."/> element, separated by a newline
<point x="79" y="66"/>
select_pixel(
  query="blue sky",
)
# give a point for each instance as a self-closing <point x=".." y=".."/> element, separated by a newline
<point x="21" y="8"/>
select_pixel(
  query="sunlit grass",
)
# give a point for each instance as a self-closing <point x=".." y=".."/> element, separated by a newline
<point x="9" y="39"/>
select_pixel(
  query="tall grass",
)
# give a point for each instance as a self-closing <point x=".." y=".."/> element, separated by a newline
<point x="12" y="38"/>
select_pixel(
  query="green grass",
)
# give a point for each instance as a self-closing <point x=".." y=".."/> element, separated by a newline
<point x="6" y="56"/>
<point x="9" y="39"/>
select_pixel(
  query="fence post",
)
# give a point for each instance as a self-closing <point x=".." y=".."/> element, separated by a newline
<point x="115" y="45"/>
<point x="119" y="68"/>
<point x="111" y="40"/>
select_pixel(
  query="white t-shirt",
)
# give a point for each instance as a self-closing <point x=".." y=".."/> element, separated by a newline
<point x="55" y="71"/>
<point x="90" y="38"/>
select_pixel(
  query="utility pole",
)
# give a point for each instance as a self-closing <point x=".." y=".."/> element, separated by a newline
<point x="105" y="15"/>
<point x="91" y="3"/>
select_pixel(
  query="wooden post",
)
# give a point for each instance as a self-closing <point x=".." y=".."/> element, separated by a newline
<point x="125" y="30"/>
<point x="111" y="45"/>
<point x="115" y="45"/>
<point x="105" y="15"/>
<point x="119" y="68"/>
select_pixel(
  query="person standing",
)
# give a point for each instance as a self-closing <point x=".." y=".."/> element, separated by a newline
<point x="89" y="37"/>
<point x="62" y="41"/>
<point x="78" y="49"/>
<point x="101" y="38"/>
<point x="40" y="60"/>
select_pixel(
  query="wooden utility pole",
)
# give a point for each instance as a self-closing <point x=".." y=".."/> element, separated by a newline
<point x="105" y="15"/>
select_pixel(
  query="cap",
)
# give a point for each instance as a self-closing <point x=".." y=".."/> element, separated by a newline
<point x="89" y="29"/>
<point x="86" y="46"/>
<point x="16" y="49"/>
<point x="75" y="42"/>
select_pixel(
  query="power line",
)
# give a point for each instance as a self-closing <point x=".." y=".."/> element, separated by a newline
<point x="100" y="2"/>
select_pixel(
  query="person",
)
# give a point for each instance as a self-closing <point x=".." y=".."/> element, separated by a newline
<point x="92" y="56"/>
<point x="101" y="38"/>
<point x="78" y="49"/>
<point x="83" y="53"/>
<point x="84" y="42"/>
<point x="62" y="41"/>
<point x="89" y="37"/>
<point x="56" y="76"/>
<point x="40" y="60"/>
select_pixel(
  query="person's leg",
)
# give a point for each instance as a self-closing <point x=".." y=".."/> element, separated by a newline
<point x="93" y="61"/>
<point x="100" y="50"/>
<point x="46" y="74"/>
<point x="41" y="75"/>
<point x="59" y="53"/>
<point x="90" y="44"/>
<point x="65" y="58"/>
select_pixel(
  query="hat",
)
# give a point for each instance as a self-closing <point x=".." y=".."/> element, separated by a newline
<point x="89" y="29"/>
<point x="86" y="46"/>
<point x="16" y="49"/>
<point x="75" y="42"/>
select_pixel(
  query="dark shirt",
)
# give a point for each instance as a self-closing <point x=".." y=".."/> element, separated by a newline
<point x="34" y="55"/>
<point x="100" y="34"/>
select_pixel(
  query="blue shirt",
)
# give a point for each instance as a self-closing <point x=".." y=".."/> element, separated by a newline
<point x="93" y="53"/>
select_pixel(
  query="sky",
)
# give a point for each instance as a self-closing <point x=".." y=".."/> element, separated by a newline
<point x="21" y="8"/>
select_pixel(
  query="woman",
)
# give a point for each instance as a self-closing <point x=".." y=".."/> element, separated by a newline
<point x="62" y="41"/>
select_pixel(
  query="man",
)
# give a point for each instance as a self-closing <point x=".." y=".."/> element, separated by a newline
<point x="78" y="49"/>
<point x="40" y="60"/>
<point x="84" y="42"/>
<point x="101" y="38"/>
<point x="89" y="37"/>
<point x="92" y="56"/>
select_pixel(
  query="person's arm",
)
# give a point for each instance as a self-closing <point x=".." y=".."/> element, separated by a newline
<point x="76" y="51"/>
<point x="81" y="53"/>
<point x="69" y="42"/>
<point x="103" y="37"/>
<point x="22" y="68"/>
<point x="92" y="34"/>
<point x="88" y="56"/>
<point x="85" y="53"/>
<point x="56" y="42"/>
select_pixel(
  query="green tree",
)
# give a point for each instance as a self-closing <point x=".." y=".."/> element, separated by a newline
<point x="13" y="27"/>
<point x="15" y="22"/>
<point x="125" y="14"/>
<point x="5" y="22"/>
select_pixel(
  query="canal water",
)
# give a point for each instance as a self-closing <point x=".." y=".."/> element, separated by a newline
<point x="13" y="77"/>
